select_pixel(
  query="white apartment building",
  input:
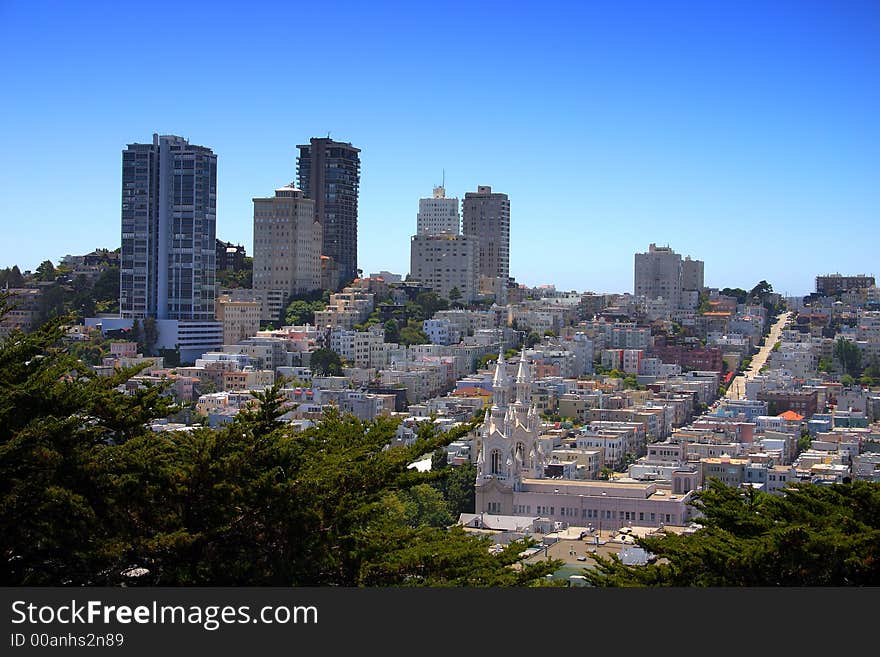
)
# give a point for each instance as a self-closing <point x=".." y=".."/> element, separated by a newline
<point x="615" y="438"/>
<point x="441" y="331"/>
<point x="797" y="358"/>
<point x="657" y="368"/>
<point x="438" y="214"/>
<point x="361" y="348"/>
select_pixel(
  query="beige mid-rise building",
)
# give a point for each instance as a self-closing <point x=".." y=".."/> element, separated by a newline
<point x="287" y="244"/>
<point x="444" y="262"/>
<point x="240" y="318"/>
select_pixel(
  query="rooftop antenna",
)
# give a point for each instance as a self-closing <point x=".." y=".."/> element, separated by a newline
<point x="443" y="184"/>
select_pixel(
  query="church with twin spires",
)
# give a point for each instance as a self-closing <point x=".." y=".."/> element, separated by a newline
<point x="511" y="459"/>
<point x="508" y="448"/>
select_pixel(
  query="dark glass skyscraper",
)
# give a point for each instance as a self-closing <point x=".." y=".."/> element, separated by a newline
<point x="169" y="218"/>
<point x="328" y="172"/>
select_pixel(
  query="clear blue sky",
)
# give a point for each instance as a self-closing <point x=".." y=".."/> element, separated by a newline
<point x="744" y="134"/>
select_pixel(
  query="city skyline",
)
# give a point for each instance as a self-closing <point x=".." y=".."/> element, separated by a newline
<point x="743" y="135"/>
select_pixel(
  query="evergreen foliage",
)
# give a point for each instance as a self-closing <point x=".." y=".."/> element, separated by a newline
<point x="89" y="495"/>
<point x="812" y="535"/>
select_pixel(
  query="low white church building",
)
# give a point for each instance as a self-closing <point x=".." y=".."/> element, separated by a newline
<point x="510" y="472"/>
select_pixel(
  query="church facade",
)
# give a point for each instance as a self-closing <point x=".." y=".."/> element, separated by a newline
<point x="511" y="460"/>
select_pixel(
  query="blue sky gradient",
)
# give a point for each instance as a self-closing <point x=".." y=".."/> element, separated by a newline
<point x="744" y="134"/>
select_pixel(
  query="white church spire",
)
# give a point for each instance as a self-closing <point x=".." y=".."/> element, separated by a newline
<point x="523" y="382"/>
<point x="500" y="383"/>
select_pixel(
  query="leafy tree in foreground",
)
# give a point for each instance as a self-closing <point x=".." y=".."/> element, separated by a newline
<point x="58" y="420"/>
<point x="90" y="496"/>
<point x="810" y="536"/>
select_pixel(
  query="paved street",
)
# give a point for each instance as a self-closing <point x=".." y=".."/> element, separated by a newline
<point x="737" y="387"/>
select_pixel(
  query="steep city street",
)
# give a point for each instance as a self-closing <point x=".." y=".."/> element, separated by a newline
<point x="737" y="387"/>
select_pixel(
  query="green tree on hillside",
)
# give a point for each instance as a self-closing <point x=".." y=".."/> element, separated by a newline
<point x="11" y="277"/>
<point x="736" y="292"/>
<point x="392" y="331"/>
<point x="45" y="272"/>
<point x="325" y="362"/>
<point x="300" y="312"/>
<point x="849" y="355"/>
<point x="412" y="334"/>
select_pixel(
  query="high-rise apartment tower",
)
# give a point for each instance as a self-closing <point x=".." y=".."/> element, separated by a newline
<point x="486" y="216"/>
<point x="328" y="172"/>
<point x="438" y="214"/>
<point x="169" y="218"/>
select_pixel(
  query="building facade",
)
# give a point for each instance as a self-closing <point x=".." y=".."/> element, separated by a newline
<point x="287" y="243"/>
<point x="486" y="217"/>
<point x="240" y="318"/>
<point x="445" y="261"/>
<point x="831" y="284"/>
<point x="692" y="275"/>
<point x="328" y="172"/>
<point x="230" y="256"/>
<point x="169" y="218"/>
<point x="23" y="312"/>
<point x="658" y="274"/>
<point x="438" y="214"/>
<point x="168" y="252"/>
<point x="511" y="461"/>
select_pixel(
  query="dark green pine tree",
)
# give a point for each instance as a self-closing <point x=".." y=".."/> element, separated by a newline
<point x="810" y="536"/>
<point x="89" y="495"/>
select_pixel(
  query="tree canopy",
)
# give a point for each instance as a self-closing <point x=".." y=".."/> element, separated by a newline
<point x="89" y="494"/>
<point x="300" y="312"/>
<point x="325" y="362"/>
<point x="412" y="334"/>
<point x="812" y="535"/>
<point x="849" y="355"/>
<point x="11" y="277"/>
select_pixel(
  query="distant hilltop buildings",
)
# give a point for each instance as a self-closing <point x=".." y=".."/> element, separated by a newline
<point x="660" y="273"/>
<point x="832" y="284"/>
<point x="470" y="255"/>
